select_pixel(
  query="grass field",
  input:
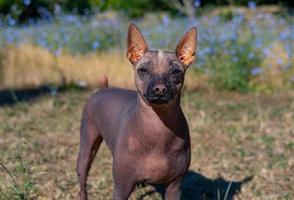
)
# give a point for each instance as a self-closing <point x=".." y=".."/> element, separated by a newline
<point x="242" y="144"/>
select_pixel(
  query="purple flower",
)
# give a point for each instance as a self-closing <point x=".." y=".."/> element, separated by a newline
<point x="57" y="9"/>
<point x="9" y="38"/>
<point x="258" y="43"/>
<point x="251" y="5"/>
<point x="266" y="51"/>
<point x="11" y="21"/>
<point x="256" y="71"/>
<point x="283" y="35"/>
<point x="26" y="2"/>
<point x="251" y="55"/>
<point x="165" y="20"/>
<point x="279" y="61"/>
<point x="95" y="45"/>
<point x="197" y="3"/>
<point x="58" y="51"/>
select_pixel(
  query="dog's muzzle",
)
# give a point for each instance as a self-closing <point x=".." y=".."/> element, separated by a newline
<point x="159" y="94"/>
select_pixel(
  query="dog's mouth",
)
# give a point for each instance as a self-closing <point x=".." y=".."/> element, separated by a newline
<point x="157" y="100"/>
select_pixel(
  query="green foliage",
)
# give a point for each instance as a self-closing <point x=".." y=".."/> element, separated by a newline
<point x="226" y="15"/>
<point x="230" y="67"/>
<point x="23" y="10"/>
<point x="21" y="186"/>
<point x="132" y="8"/>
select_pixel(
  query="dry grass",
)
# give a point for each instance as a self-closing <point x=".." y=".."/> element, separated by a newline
<point x="30" y="66"/>
<point x="233" y="137"/>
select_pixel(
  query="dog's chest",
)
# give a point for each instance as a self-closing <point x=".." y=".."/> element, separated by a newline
<point x="160" y="168"/>
<point x="157" y="164"/>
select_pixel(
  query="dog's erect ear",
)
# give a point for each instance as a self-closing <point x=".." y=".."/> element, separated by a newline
<point x="186" y="48"/>
<point x="136" y="44"/>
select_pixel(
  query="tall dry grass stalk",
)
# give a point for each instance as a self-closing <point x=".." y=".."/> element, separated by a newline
<point x="29" y="66"/>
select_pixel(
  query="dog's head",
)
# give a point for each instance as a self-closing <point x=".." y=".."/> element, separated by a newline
<point x="159" y="75"/>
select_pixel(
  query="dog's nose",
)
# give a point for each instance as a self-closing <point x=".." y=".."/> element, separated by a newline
<point x="159" y="89"/>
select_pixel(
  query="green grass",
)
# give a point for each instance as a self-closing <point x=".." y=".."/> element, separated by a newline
<point x="234" y="137"/>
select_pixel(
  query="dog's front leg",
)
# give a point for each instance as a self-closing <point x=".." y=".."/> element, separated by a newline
<point x="122" y="190"/>
<point x="173" y="191"/>
<point x="124" y="179"/>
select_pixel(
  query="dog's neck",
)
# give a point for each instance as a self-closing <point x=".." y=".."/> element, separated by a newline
<point x="165" y="112"/>
<point x="159" y="123"/>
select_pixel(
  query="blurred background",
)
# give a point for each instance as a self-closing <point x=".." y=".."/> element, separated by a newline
<point x="238" y="95"/>
<point x="243" y="45"/>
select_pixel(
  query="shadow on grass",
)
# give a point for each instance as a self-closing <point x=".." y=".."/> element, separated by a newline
<point x="11" y="97"/>
<point x="197" y="187"/>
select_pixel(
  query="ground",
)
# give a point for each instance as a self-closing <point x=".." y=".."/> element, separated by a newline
<point x="242" y="145"/>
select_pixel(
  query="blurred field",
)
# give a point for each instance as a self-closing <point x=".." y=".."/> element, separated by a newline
<point x="235" y="138"/>
<point x="239" y="49"/>
<point x="44" y="68"/>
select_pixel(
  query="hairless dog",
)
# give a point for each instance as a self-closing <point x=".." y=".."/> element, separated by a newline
<point x="145" y="129"/>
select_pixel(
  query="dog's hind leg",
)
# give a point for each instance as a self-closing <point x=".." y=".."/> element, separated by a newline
<point x="89" y="145"/>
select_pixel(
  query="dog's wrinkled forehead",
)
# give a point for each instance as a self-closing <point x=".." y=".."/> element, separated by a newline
<point x="160" y="61"/>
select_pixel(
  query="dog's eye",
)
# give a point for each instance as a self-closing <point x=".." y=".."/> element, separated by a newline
<point x="142" y="70"/>
<point x="176" y="71"/>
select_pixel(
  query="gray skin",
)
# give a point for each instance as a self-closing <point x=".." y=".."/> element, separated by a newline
<point x="146" y="129"/>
